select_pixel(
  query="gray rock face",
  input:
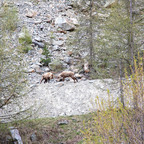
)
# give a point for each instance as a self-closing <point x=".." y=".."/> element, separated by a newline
<point x="49" y="23"/>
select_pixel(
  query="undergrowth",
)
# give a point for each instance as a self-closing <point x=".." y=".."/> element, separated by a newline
<point x="9" y="18"/>
<point x="116" y="123"/>
<point x="25" y="40"/>
<point x="45" y="61"/>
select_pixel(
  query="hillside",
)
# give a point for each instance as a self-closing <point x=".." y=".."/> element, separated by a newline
<point x="100" y="43"/>
<point x="52" y="23"/>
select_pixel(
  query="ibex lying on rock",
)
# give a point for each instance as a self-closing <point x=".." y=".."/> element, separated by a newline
<point x="65" y="74"/>
<point x="46" y="77"/>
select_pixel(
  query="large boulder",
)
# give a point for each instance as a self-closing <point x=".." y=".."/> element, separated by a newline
<point x="64" y="24"/>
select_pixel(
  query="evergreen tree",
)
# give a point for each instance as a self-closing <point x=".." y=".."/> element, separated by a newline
<point x="110" y="37"/>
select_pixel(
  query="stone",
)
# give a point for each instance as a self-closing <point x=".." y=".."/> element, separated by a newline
<point x="38" y="21"/>
<point x="31" y="70"/>
<point x="40" y="51"/>
<point x="62" y="31"/>
<point x="74" y="21"/>
<point x="69" y="7"/>
<point x="46" y="69"/>
<point x="63" y="14"/>
<point x="21" y="35"/>
<point x="64" y="24"/>
<point x="31" y="13"/>
<point x="37" y="38"/>
<point x="68" y="60"/>
<point x="59" y="43"/>
<point x="39" y="71"/>
<point x="28" y="4"/>
<point x="59" y="84"/>
<point x="56" y="48"/>
<point x="63" y="48"/>
<point x="78" y="76"/>
<point x="39" y="64"/>
<point x="48" y="18"/>
<point x="41" y="27"/>
<point x="15" y="135"/>
<point x="70" y="53"/>
<point x="63" y="122"/>
<point x="111" y="3"/>
<point x="33" y="137"/>
<point x="34" y="66"/>
<point x="39" y="44"/>
<point x="101" y="16"/>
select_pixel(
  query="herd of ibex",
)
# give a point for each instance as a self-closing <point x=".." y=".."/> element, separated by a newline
<point x="49" y="75"/>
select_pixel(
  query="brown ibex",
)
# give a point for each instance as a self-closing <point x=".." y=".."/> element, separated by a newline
<point x="65" y="74"/>
<point x="46" y="77"/>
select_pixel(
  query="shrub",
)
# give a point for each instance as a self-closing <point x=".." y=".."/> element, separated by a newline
<point x="56" y="65"/>
<point x="45" y="61"/>
<point x="9" y="18"/>
<point x="25" y="40"/>
<point x="118" y="124"/>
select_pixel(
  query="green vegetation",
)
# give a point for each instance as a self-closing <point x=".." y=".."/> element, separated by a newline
<point x="117" y="123"/>
<point x="109" y="38"/>
<point x="52" y="36"/>
<point x="56" y="65"/>
<point x="45" y="61"/>
<point x="111" y="123"/>
<point x="118" y="38"/>
<point x="9" y="18"/>
<point x="25" y="40"/>
<point x="47" y="130"/>
<point x="12" y="76"/>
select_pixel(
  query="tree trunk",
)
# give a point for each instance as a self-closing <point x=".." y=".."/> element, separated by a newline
<point x="131" y="40"/>
<point x="91" y="35"/>
<point x="121" y="85"/>
<point x="130" y="36"/>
